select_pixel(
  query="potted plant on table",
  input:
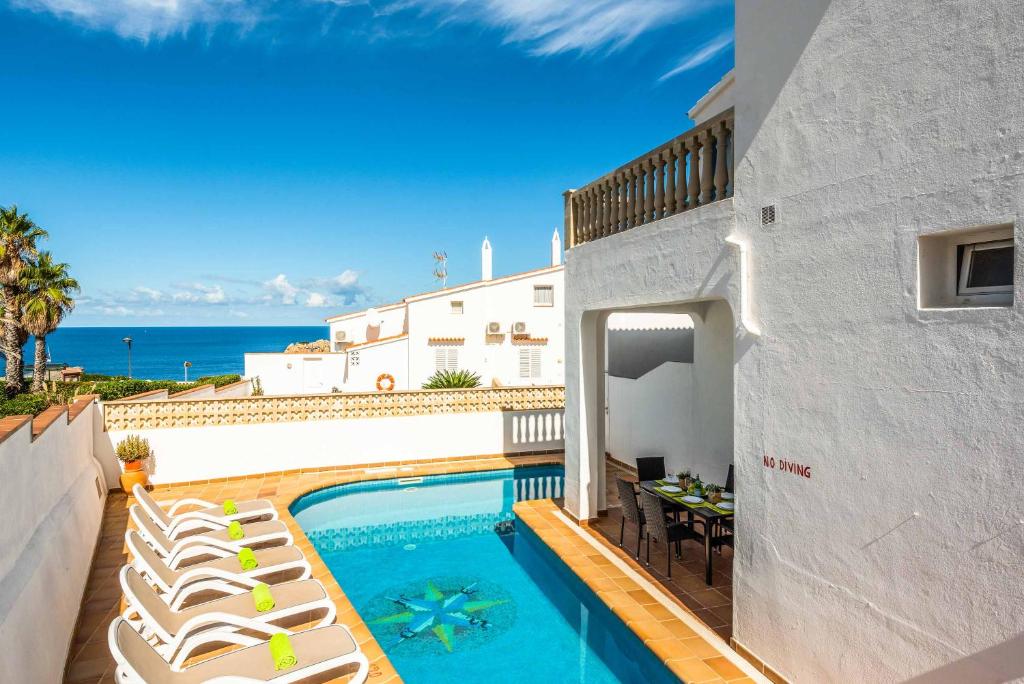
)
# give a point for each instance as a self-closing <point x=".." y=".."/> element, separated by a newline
<point x="132" y="451"/>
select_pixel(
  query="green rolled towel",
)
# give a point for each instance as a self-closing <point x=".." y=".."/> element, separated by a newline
<point x="235" y="530"/>
<point x="281" y="651"/>
<point x="262" y="598"/>
<point x="229" y="507"/>
<point x="247" y="559"/>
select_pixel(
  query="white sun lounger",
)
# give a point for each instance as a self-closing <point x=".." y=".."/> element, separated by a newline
<point x="224" y="576"/>
<point x="318" y="651"/>
<point x="210" y="516"/>
<point x="296" y="603"/>
<point x="211" y="544"/>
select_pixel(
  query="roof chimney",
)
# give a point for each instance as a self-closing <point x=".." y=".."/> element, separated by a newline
<point x="556" y="249"/>
<point x="485" y="260"/>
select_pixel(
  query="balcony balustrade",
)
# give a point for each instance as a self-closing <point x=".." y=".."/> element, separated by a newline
<point x="689" y="171"/>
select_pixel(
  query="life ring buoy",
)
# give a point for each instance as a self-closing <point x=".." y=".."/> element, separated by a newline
<point x="385" y="382"/>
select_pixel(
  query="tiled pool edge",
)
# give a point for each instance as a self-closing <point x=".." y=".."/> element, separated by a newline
<point x="292" y="485"/>
<point x="692" y="652"/>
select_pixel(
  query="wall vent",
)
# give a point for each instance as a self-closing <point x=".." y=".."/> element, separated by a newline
<point x="99" y="489"/>
<point x="767" y="214"/>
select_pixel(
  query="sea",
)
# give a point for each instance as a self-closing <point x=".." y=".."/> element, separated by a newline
<point x="159" y="353"/>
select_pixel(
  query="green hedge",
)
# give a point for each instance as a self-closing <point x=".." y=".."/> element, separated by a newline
<point x="30" y="404"/>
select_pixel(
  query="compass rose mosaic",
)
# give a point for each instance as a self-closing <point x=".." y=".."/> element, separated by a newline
<point x="441" y="615"/>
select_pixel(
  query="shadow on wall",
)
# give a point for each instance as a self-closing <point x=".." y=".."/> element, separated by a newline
<point x="1000" y="663"/>
<point x="532" y="430"/>
<point x="767" y="78"/>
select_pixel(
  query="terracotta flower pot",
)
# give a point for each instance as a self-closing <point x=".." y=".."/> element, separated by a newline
<point x="133" y="474"/>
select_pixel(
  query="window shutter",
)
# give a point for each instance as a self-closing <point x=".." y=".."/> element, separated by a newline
<point x="535" y="363"/>
<point x="524" y="363"/>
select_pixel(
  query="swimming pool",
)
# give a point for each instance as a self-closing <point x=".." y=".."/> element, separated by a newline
<point x="455" y="590"/>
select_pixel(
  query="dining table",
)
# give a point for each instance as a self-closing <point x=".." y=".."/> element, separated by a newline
<point x="706" y="511"/>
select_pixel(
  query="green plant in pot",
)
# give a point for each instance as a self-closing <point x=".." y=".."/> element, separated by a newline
<point x="132" y="451"/>
<point x="696" y="487"/>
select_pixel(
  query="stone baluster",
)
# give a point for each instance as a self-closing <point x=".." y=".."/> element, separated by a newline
<point x="612" y="212"/>
<point x="721" y="162"/>
<point x="669" y="157"/>
<point x="638" y="195"/>
<point x="650" y="210"/>
<point x="628" y="190"/>
<point x="680" y="152"/>
<point x="587" y="210"/>
<point x="707" y="171"/>
<point x="569" y="227"/>
<point x="622" y="179"/>
<point x="659" y="186"/>
<point x="693" y="188"/>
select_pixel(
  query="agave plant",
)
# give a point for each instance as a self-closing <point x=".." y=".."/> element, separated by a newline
<point x="447" y="379"/>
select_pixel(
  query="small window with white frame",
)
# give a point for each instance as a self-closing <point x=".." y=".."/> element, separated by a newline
<point x="966" y="267"/>
<point x="446" y="358"/>
<point x="457" y="306"/>
<point x="543" y="295"/>
<point x="985" y="268"/>
<point x="529" y="363"/>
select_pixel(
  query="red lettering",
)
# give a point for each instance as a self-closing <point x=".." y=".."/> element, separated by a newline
<point x="787" y="466"/>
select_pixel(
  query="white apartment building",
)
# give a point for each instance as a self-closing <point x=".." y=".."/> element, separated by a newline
<point x="841" y="225"/>
<point x="508" y="330"/>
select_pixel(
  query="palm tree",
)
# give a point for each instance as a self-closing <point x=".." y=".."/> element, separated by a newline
<point x="47" y="298"/>
<point x="18" y="236"/>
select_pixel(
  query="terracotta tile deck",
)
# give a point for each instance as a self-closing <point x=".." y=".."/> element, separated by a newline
<point x="693" y="652"/>
<point x="711" y="605"/>
<point x="89" y="659"/>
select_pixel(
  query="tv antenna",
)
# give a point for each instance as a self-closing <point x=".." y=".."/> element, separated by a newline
<point x="441" y="268"/>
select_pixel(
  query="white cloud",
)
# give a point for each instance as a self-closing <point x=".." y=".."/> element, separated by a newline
<point x="316" y="300"/>
<point x="148" y="293"/>
<point x="197" y="293"/>
<point x="280" y="287"/>
<point x="146" y="19"/>
<point x="542" y="27"/>
<point x="548" y="27"/>
<point x="701" y="55"/>
<point x="238" y="314"/>
<point x="124" y="311"/>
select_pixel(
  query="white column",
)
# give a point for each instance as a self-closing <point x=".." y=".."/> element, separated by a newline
<point x="485" y="260"/>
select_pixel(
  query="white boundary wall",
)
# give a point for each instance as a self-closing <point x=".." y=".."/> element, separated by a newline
<point x="51" y="507"/>
<point x="197" y="453"/>
<point x="658" y="415"/>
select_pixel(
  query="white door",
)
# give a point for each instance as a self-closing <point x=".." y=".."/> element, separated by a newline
<point x="313" y="376"/>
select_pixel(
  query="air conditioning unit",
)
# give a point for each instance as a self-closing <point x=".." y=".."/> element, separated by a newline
<point x="339" y="336"/>
<point x="519" y="328"/>
<point x="494" y="328"/>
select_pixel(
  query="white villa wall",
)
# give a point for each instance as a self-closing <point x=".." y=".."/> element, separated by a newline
<point x="389" y="321"/>
<point x="197" y="453"/>
<point x="867" y="125"/>
<point x="505" y="302"/>
<point x="660" y="414"/>
<point x="51" y="507"/>
<point x="366" y="364"/>
<point x="281" y="373"/>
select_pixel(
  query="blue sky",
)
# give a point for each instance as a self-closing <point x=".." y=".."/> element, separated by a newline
<point x="243" y="162"/>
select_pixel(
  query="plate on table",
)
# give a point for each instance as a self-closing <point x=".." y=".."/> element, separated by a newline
<point x="691" y="499"/>
<point x="672" y="479"/>
<point x="670" y="489"/>
<point x="728" y="496"/>
<point x="727" y="505"/>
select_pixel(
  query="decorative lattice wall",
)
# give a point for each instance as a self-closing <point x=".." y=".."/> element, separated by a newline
<point x="141" y="415"/>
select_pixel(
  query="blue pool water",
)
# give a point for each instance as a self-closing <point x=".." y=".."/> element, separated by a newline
<point x="455" y="590"/>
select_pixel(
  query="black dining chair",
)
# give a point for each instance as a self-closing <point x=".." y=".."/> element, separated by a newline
<point x="650" y="468"/>
<point x="729" y="480"/>
<point x="663" y="530"/>
<point x="630" y="511"/>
